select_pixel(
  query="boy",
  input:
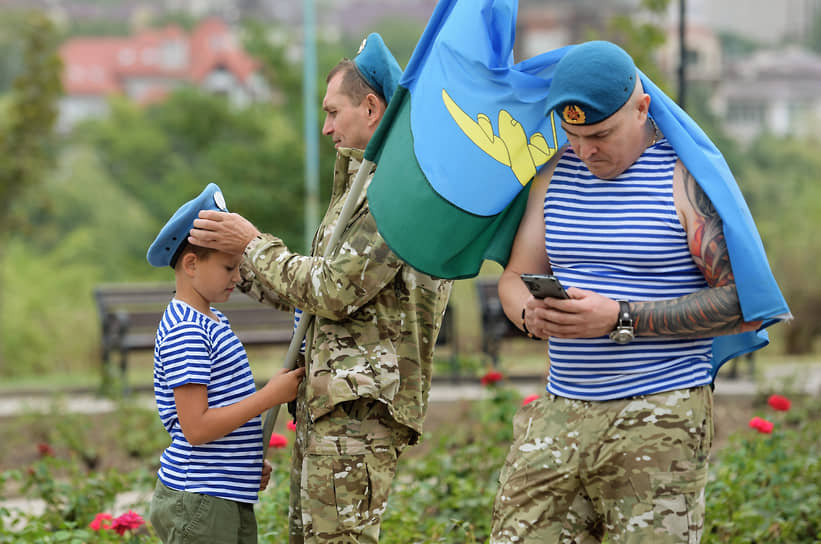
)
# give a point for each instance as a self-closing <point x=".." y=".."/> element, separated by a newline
<point x="210" y="475"/>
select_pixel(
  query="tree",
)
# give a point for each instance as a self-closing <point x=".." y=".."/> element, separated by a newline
<point x="26" y="137"/>
<point x="165" y="154"/>
<point x="26" y="133"/>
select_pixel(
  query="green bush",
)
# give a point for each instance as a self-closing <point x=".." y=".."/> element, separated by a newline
<point x="767" y="487"/>
<point x="763" y="488"/>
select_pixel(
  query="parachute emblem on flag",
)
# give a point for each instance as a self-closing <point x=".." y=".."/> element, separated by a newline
<point x="511" y="146"/>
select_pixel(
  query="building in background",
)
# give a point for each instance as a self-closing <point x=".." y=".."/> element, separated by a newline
<point x="704" y="59"/>
<point x="148" y="66"/>
<point x="763" y="21"/>
<point x="774" y="91"/>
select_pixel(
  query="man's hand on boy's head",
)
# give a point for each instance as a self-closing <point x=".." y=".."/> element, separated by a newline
<point x="228" y="232"/>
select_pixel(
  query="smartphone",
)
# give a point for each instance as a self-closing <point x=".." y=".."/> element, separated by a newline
<point x="544" y="285"/>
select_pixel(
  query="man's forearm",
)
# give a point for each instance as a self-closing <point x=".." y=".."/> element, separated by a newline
<point x="712" y="311"/>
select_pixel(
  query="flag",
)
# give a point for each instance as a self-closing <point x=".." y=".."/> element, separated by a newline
<point x="465" y="133"/>
<point x="460" y="99"/>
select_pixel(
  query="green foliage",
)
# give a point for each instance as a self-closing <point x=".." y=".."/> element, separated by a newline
<point x="73" y="232"/>
<point x="762" y="488"/>
<point x="26" y="145"/>
<point x="765" y="488"/>
<point x="165" y="155"/>
<point x="814" y="37"/>
<point x="11" y="53"/>
<point x="779" y="181"/>
<point x="641" y="40"/>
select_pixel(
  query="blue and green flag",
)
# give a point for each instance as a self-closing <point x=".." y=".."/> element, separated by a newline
<point x="466" y="132"/>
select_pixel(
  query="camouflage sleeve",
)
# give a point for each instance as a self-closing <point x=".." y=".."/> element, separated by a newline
<point x="258" y="290"/>
<point x="332" y="288"/>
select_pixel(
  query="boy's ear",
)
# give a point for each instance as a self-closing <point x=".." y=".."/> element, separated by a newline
<point x="188" y="263"/>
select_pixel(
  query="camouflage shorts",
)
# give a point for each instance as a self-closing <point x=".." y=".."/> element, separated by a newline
<point x="341" y="473"/>
<point x="632" y="468"/>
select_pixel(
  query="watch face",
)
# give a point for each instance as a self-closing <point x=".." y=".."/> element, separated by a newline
<point x="622" y="335"/>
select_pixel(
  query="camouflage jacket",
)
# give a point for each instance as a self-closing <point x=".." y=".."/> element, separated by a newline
<point x="376" y="317"/>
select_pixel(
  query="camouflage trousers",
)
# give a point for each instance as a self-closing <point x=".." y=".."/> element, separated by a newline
<point x="634" y="469"/>
<point x="342" y="468"/>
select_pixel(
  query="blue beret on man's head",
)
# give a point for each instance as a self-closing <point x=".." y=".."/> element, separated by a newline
<point x="173" y="236"/>
<point x="591" y="83"/>
<point x="376" y="64"/>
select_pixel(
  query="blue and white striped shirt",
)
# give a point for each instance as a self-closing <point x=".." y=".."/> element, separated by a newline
<point x="622" y="238"/>
<point x="192" y="348"/>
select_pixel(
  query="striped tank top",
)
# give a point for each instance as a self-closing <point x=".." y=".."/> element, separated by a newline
<point x="622" y="238"/>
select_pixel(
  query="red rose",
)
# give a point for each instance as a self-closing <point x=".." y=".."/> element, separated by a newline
<point x="291" y="426"/>
<point x="491" y="377"/>
<point x="101" y="521"/>
<point x="530" y="398"/>
<point x="777" y="402"/>
<point x="761" y="425"/>
<point x="45" y="450"/>
<point x="278" y="441"/>
<point x="127" y="522"/>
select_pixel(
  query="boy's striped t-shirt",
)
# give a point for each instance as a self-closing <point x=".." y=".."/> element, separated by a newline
<point x="193" y="348"/>
<point x="622" y="238"/>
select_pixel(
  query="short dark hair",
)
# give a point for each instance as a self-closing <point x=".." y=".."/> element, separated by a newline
<point x="187" y="247"/>
<point x="353" y="84"/>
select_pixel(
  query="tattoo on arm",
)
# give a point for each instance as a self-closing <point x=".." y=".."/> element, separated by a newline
<point x="707" y="243"/>
<point x="711" y="311"/>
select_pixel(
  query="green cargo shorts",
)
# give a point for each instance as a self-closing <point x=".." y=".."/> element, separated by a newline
<point x="193" y="518"/>
<point x="634" y="469"/>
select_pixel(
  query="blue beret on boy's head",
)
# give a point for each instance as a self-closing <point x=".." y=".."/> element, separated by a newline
<point x="591" y="83"/>
<point x="165" y="248"/>
<point x="377" y="65"/>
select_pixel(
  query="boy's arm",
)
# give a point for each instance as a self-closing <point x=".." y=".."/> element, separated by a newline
<point x="201" y="424"/>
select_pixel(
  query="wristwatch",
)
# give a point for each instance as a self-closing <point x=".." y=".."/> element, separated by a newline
<point x="623" y="333"/>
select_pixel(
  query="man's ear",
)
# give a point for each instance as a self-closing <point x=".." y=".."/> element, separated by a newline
<point x="375" y="107"/>
<point x="644" y="104"/>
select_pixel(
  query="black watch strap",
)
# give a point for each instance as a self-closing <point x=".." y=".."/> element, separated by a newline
<point x="624" y="314"/>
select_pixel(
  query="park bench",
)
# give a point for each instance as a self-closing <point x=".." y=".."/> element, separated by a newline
<point x="496" y="327"/>
<point x="130" y="312"/>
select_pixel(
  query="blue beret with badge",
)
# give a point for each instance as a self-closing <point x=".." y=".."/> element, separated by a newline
<point x="591" y="82"/>
<point x="172" y="238"/>
<point x="377" y="65"/>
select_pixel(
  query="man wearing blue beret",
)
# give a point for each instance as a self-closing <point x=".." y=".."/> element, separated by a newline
<point x="620" y="440"/>
<point x="369" y="350"/>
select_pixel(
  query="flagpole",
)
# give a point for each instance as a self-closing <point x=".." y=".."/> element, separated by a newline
<point x="306" y="319"/>
<point x="311" y="122"/>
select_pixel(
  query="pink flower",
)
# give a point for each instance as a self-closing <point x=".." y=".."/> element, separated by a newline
<point x="45" y="450"/>
<point x="777" y="402"/>
<point x="101" y="521"/>
<point x="127" y="522"/>
<point x="761" y="425"/>
<point x="491" y="377"/>
<point x="278" y="441"/>
<point x="530" y="398"/>
<point x="291" y="426"/>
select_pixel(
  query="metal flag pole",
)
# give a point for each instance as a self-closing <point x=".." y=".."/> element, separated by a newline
<point x="305" y="321"/>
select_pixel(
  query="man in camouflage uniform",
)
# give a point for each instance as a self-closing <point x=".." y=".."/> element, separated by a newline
<point x="619" y="442"/>
<point x="370" y="348"/>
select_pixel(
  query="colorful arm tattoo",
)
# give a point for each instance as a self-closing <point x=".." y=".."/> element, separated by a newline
<point x="712" y="311"/>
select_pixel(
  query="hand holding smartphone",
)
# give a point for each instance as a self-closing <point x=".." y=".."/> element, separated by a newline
<point x="544" y="285"/>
